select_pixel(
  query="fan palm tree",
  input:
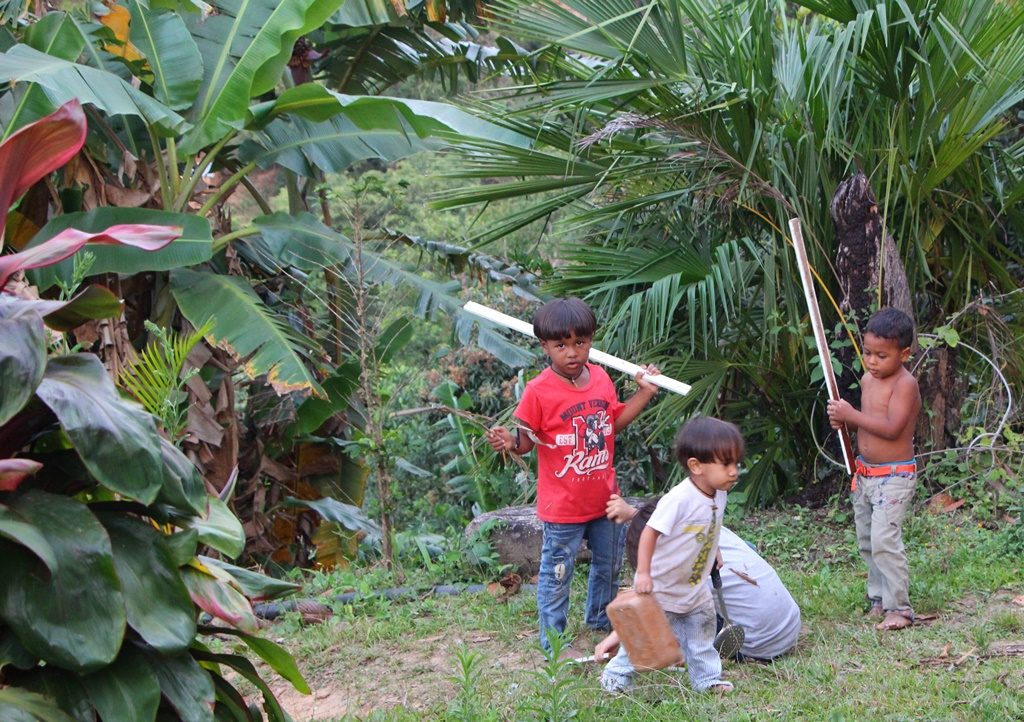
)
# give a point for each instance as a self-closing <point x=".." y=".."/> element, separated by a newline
<point x="681" y="135"/>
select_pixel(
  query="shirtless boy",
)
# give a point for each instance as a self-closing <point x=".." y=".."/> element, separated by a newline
<point x="886" y="475"/>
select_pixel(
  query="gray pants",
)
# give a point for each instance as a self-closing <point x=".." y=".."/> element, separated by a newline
<point x="695" y="631"/>
<point x="879" y="505"/>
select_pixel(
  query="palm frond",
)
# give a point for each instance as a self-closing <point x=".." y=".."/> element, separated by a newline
<point x="154" y="378"/>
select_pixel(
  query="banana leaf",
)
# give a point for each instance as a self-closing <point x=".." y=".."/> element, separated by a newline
<point x="141" y="237"/>
<point x="349" y="516"/>
<point x="172" y="54"/>
<point x="361" y="127"/>
<point x="241" y="322"/>
<point x="245" y="47"/>
<point x="55" y="34"/>
<point x="192" y="244"/>
<point x="62" y="81"/>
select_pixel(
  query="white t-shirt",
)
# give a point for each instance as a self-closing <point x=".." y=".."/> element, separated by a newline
<point x="767" y="611"/>
<point x="689" y="523"/>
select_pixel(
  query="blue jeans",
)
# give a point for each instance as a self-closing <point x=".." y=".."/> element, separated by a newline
<point x="557" y="561"/>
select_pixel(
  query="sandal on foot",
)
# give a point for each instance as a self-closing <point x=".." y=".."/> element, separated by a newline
<point x="722" y="687"/>
<point x="895" y="620"/>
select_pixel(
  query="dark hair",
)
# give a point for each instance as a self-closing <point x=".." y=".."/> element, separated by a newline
<point x="563" y="317"/>
<point x="893" y="324"/>
<point x="636" y="528"/>
<point x="708" y="440"/>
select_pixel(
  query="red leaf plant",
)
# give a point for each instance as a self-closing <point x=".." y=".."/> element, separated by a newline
<point x="15" y="471"/>
<point x="31" y="154"/>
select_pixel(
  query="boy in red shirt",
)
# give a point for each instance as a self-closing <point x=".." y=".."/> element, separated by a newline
<point x="572" y="413"/>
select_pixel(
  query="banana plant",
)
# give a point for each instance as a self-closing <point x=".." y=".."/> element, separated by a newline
<point x="175" y="95"/>
<point x="101" y="518"/>
<point x="196" y="100"/>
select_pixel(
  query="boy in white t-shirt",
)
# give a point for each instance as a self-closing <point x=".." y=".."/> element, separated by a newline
<point x="757" y="599"/>
<point x="678" y="547"/>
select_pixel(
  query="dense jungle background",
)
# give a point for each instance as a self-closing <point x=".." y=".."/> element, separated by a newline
<point x="238" y="236"/>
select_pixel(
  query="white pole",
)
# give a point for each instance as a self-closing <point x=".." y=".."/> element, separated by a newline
<point x="606" y="359"/>
<point x="824" y="357"/>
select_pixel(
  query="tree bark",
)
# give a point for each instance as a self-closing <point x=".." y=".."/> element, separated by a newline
<point x="866" y="260"/>
<point x="870" y="272"/>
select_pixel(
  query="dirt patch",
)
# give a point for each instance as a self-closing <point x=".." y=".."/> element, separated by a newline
<point x="418" y="678"/>
<point x="975" y="609"/>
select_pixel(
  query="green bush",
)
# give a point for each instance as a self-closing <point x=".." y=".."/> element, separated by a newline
<point x="102" y="521"/>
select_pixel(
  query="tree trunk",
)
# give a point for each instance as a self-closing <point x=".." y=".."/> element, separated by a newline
<point x="871" y="274"/>
<point x="866" y="261"/>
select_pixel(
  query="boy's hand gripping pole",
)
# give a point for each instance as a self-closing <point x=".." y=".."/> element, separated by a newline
<point x="819" y="334"/>
<point x="605" y="359"/>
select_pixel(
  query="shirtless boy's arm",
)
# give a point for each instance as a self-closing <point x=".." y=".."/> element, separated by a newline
<point x="901" y="412"/>
<point x="643" y="584"/>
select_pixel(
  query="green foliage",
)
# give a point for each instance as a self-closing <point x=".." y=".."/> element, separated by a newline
<point x="102" y="583"/>
<point x="553" y="691"/>
<point x="467" y="706"/>
<point x="450" y="557"/>
<point x="467" y="471"/>
<point x="981" y="471"/>
<point x="679" y="138"/>
<point x="156" y="380"/>
<point x="1013" y="532"/>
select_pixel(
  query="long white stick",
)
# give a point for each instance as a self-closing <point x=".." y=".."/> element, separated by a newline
<point x="819" y="333"/>
<point x="606" y="359"/>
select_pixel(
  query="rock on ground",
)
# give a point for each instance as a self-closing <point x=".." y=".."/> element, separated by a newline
<point x="517" y="535"/>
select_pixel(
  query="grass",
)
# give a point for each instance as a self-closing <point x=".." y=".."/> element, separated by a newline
<point x="473" y="657"/>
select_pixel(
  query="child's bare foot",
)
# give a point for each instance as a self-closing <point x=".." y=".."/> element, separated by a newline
<point x="876" y="611"/>
<point x="895" y="620"/>
<point x="722" y="687"/>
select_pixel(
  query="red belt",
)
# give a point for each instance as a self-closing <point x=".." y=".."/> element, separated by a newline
<point x="885" y="469"/>
<point x="863" y="469"/>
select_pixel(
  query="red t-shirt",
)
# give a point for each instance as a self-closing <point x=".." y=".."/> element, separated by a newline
<point x="575" y="459"/>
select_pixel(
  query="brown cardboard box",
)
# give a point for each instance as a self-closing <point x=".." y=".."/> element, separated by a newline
<point x="644" y="630"/>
